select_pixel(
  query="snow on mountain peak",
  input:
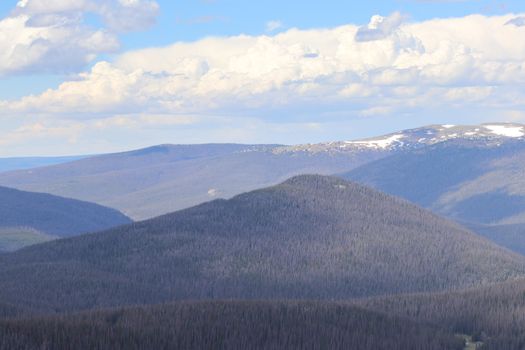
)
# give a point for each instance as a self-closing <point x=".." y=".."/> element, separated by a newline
<point x="416" y="138"/>
<point x="506" y="130"/>
<point x="379" y="143"/>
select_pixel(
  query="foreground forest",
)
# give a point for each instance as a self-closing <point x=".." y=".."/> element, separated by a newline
<point x="227" y="325"/>
<point x="494" y="314"/>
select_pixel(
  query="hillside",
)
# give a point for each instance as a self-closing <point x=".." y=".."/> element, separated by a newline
<point x="162" y="179"/>
<point x="227" y="325"/>
<point x="310" y="237"/>
<point x="493" y="314"/>
<point x="52" y="215"/>
<point x="158" y="180"/>
<point x="478" y="183"/>
<point x="12" y="239"/>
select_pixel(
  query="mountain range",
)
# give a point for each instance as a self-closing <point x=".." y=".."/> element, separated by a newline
<point x="162" y="179"/>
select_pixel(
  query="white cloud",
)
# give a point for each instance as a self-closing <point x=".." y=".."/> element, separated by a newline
<point x="379" y="27"/>
<point x="310" y="76"/>
<point x="51" y="35"/>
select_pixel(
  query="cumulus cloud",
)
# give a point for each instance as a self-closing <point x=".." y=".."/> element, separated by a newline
<point x="379" y="27"/>
<point x="311" y="76"/>
<point x="52" y="36"/>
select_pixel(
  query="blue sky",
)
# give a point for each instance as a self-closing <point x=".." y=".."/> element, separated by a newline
<point x="375" y="79"/>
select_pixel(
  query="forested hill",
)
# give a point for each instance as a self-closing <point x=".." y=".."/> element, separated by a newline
<point x="493" y="314"/>
<point x="227" y="325"/>
<point x="54" y="215"/>
<point x="310" y="237"/>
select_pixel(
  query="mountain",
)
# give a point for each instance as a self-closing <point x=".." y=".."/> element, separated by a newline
<point x="493" y="314"/>
<point x="9" y="164"/>
<point x="421" y="137"/>
<point x="311" y="237"/>
<point x="478" y="182"/>
<point x="227" y="325"/>
<point x="157" y="180"/>
<point x="28" y="217"/>
<point x="161" y="179"/>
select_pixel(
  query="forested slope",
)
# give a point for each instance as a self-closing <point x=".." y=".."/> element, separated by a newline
<point x="493" y="314"/>
<point x="226" y="325"/>
<point x="311" y="237"/>
<point x="479" y="183"/>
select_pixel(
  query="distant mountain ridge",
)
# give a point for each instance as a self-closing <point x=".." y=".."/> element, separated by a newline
<point x="161" y="179"/>
<point x="311" y="237"/>
<point x="477" y="183"/>
<point x="420" y="137"/>
<point x="19" y="163"/>
<point x="28" y="217"/>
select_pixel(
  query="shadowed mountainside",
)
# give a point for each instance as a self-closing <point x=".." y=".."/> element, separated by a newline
<point x="28" y="217"/>
<point x="479" y="184"/>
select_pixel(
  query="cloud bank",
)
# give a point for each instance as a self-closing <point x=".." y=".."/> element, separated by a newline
<point x="389" y="68"/>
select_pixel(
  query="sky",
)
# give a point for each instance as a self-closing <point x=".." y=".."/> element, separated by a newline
<point x="97" y="76"/>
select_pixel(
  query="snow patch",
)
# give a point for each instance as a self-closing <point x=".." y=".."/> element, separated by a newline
<point x="379" y="143"/>
<point x="448" y="126"/>
<point x="506" y="130"/>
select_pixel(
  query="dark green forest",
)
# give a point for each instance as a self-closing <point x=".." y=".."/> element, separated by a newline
<point x="226" y="325"/>
<point x="493" y="314"/>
